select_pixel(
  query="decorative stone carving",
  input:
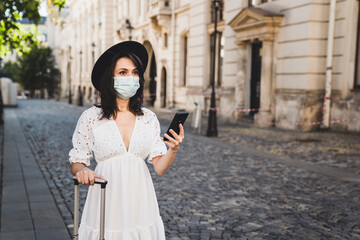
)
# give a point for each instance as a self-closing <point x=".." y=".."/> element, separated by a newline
<point x="252" y="23"/>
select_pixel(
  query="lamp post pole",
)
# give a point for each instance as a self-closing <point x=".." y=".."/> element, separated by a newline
<point x="69" y="76"/>
<point x="212" y="126"/>
<point x="80" y="102"/>
<point x="129" y="28"/>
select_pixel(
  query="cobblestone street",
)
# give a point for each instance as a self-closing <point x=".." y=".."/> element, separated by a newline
<point x="249" y="183"/>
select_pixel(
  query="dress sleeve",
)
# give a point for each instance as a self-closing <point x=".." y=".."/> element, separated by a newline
<point x="82" y="140"/>
<point x="158" y="147"/>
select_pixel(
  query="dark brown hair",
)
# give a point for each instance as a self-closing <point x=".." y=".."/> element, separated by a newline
<point x="108" y="94"/>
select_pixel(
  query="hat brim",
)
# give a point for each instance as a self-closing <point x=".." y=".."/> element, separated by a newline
<point x="105" y="59"/>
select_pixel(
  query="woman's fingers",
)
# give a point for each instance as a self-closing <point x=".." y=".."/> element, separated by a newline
<point x="176" y="136"/>
<point x="181" y="134"/>
<point x="173" y="144"/>
<point x="78" y="177"/>
<point x="91" y="179"/>
<point x="170" y="144"/>
<point x="98" y="176"/>
<point x="168" y="137"/>
<point x="87" y="177"/>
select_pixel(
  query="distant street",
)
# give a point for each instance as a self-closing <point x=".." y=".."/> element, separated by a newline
<point x="237" y="186"/>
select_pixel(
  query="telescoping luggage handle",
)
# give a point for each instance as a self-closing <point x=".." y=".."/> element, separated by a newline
<point x="103" y="183"/>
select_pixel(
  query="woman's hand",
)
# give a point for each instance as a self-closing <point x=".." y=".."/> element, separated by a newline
<point x="174" y="143"/>
<point x="87" y="177"/>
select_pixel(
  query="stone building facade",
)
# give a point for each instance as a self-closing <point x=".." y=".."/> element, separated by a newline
<point x="270" y="55"/>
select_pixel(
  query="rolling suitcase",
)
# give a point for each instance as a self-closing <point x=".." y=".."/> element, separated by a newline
<point x="102" y="207"/>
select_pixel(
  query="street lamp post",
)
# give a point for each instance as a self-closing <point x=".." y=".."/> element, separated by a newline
<point x="129" y="28"/>
<point x="80" y="97"/>
<point x="69" y="77"/>
<point x="212" y="127"/>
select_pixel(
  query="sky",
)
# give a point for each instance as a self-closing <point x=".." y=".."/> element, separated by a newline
<point x="43" y="9"/>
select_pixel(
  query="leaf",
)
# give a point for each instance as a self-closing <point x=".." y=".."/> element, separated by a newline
<point x="12" y="36"/>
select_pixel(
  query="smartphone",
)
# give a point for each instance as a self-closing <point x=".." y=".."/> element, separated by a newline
<point x="179" y="117"/>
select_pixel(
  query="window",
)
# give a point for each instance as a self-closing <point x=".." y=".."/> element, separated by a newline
<point x="185" y="60"/>
<point x="257" y="2"/>
<point x="221" y="53"/>
<point x="219" y="57"/>
<point x="220" y="15"/>
<point x="357" y="62"/>
<point x="165" y="40"/>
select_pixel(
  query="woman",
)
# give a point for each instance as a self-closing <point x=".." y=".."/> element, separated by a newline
<point x="120" y="135"/>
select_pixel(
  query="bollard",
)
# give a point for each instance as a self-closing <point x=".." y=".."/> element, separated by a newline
<point x="197" y="116"/>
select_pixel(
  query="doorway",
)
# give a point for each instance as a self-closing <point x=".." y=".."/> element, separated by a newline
<point x="163" y="88"/>
<point x="255" y="76"/>
<point x="150" y="77"/>
<point x="152" y="85"/>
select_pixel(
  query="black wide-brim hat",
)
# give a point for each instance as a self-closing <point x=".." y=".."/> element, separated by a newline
<point x="105" y="59"/>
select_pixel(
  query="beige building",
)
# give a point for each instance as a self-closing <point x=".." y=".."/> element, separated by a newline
<point x="271" y="56"/>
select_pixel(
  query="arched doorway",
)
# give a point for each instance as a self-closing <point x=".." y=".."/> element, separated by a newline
<point x="150" y="77"/>
<point x="68" y="73"/>
<point x="163" y="87"/>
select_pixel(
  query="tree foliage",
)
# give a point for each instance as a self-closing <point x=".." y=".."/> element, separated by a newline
<point x="38" y="71"/>
<point x="12" y="35"/>
<point x="11" y="70"/>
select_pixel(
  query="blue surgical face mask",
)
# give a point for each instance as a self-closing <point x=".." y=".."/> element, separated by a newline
<point x="126" y="87"/>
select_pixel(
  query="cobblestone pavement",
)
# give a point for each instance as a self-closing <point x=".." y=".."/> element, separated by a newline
<point x="334" y="149"/>
<point x="223" y="189"/>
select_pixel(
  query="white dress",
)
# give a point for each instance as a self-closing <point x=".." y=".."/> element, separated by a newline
<point x="131" y="209"/>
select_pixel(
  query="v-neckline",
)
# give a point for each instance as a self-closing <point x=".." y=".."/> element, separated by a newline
<point x="121" y="138"/>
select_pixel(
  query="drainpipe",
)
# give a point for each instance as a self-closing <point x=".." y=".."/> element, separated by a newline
<point x="329" y="60"/>
<point x="173" y="53"/>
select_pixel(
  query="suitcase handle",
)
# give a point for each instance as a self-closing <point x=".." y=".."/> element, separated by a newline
<point x="97" y="181"/>
<point x="103" y="183"/>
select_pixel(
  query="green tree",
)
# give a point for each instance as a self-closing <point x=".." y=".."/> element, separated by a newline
<point x="38" y="71"/>
<point x="12" y="35"/>
<point x="11" y="70"/>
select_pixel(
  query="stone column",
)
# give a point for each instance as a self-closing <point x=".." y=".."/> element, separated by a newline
<point x="240" y="80"/>
<point x="264" y="116"/>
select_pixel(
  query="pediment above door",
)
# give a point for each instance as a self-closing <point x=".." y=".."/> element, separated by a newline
<point x="255" y="23"/>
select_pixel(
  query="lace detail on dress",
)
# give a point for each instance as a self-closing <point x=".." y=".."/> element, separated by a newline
<point x="158" y="147"/>
<point x="82" y="139"/>
<point x="101" y="139"/>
